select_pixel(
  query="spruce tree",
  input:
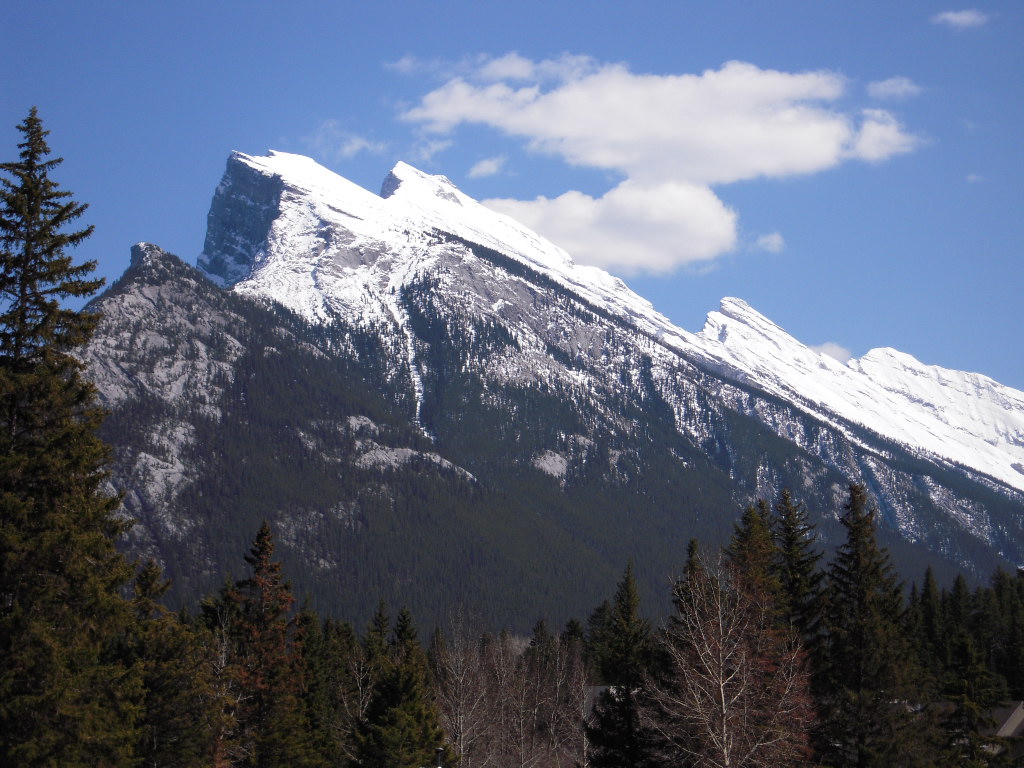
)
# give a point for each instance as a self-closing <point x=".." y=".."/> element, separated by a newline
<point x="271" y="728"/>
<point x="615" y="733"/>
<point x="752" y="552"/>
<point x="933" y="643"/>
<point x="796" y="565"/>
<point x="66" y="697"/>
<point x="179" y="713"/>
<point x="596" y="645"/>
<point x="975" y="694"/>
<point x="873" y="689"/>
<point x="402" y="727"/>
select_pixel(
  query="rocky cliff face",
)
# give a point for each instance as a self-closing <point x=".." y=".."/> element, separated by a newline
<point x="409" y="384"/>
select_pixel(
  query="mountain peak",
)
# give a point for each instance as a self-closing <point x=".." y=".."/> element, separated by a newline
<point x="285" y="228"/>
<point x="405" y="180"/>
<point x="739" y="326"/>
<point x="146" y="253"/>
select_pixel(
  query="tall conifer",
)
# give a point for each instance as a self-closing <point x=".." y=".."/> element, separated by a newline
<point x="752" y="552"/>
<point x="402" y="726"/>
<point x="179" y="715"/>
<point x="65" y="697"/>
<point x="616" y="735"/>
<point x="800" y="579"/>
<point x="874" y="691"/>
<point x="270" y="723"/>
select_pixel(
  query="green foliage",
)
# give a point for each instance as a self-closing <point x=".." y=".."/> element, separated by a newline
<point x="801" y="594"/>
<point x="264" y="716"/>
<point x="401" y="727"/>
<point x="66" y="696"/>
<point x="180" y="709"/>
<point x="753" y="553"/>
<point x="615" y="733"/>
<point x="873" y="689"/>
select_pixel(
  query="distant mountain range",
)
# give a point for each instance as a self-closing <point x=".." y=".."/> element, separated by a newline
<point x="434" y="405"/>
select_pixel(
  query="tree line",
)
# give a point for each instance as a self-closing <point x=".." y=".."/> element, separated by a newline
<point x="771" y="655"/>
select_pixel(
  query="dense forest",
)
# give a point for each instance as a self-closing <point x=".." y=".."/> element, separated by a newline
<point x="772" y="655"/>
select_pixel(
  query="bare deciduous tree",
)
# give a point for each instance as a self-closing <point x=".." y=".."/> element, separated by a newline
<point x="505" y="702"/>
<point x="736" y="690"/>
<point x="463" y="695"/>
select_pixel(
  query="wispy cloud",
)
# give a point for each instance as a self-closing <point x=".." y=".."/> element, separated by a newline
<point x="835" y="351"/>
<point x="487" y="167"/>
<point x="773" y="242"/>
<point x="670" y="137"/>
<point x="893" y="88"/>
<point x="961" y="19"/>
<point x="974" y="178"/>
<point x="425" y="151"/>
<point x="331" y="142"/>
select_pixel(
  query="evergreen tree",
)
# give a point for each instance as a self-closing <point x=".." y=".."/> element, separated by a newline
<point x="402" y="727"/>
<point x="873" y="688"/>
<point x="66" y="697"/>
<point x="615" y="732"/>
<point x="974" y="693"/>
<point x="800" y="603"/>
<point x="752" y="551"/>
<point x="179" y="714"/>
<point x="934" y="641"/>
<point x="317" y="679"/>
<point x="270" y="722"/>
<point x="596" y="645"/>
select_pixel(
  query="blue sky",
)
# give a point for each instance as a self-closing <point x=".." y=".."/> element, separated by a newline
<point x="853" y="170"/>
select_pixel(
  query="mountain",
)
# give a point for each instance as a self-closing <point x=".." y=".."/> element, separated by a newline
<point x="432" y="404"/>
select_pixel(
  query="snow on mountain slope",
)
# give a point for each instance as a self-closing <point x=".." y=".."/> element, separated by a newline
<point x="965" y="418"/>
<point x="305" y="269"/>
<point x="335" y="249"/>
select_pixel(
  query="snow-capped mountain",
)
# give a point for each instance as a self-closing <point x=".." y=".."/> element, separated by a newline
<point x="962" y="418"/>
<point x="410" y="382"/>
<point x="337" y="250"/>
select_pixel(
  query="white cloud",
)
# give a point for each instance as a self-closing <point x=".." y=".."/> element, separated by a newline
<point x="773" y="242"/>
<point x="332" y="143"/>
<point x="489" y="166"/>
<point x="881" y="136"/>
<point x="974" y="178"/>
<point x="672" y="137"/>
<point x="833" y="350"/>
<point x="425" y="151"/>
<point x="893" y="88"/>
<point x="634" y="227"/>
<point x="961" y="19"/>
<point x="512" y="66"/>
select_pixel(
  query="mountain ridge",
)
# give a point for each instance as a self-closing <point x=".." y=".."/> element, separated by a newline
<point x="735" y="340"/>
<point x="398" y="400"/>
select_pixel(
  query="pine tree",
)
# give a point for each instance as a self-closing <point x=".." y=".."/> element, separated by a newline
<point x="270" y="726"/>
<point x="800" y="602"/>
<point x="66" y="697"/>
<point x="974" y="693"/>
<point x="401" y="727"/>
<point x="179" y="713"/>
<point x="874" y="688"/>
<point x="752" y="551"/>
<point x="615" y="733"/>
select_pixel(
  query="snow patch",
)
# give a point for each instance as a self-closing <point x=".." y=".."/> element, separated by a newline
<point x="552" y="463"/>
